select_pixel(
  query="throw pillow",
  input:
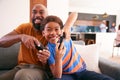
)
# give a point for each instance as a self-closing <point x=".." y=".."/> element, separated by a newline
<point x="90" y="54"/>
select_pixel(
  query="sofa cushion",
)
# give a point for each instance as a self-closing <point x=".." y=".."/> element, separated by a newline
<point x="8" y="57"/>
<point x="110" y="68"/>
<point x="90" y="54"/>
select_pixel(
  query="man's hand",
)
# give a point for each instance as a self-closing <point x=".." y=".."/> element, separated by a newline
<point x="43" y="55"/>
<point x="29" y="41"/>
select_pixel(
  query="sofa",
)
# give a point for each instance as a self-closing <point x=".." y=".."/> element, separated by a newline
<point x="8" y="60"/>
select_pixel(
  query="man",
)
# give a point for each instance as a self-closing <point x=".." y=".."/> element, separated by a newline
<point x="112" y="28"/>
<point x="103" y="27"/>
<point x="31" y="66"/>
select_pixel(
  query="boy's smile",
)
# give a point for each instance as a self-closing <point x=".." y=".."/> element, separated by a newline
<point x="52" y="32"/>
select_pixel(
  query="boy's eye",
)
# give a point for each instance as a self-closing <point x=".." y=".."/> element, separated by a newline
<point x="56" y="29"/>
<point x="48" y="29"/>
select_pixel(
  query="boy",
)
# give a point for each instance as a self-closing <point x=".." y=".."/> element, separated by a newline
<point x="65" y="62"/>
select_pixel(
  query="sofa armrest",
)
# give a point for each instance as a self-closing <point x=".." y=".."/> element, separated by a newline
<point x="109" y="68"/>
<point x="8" y="57"/>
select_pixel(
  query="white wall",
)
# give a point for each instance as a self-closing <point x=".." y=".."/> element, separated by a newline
<point x="106" y="40"/>
<point x="59" y="8"/>
<point x="13" y="13"/>
<point x="118" y="18"/>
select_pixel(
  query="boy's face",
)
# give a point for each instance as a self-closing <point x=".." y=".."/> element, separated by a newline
<point x="52" y="32"/>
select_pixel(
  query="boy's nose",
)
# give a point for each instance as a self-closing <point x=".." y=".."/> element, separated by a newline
<point x="53" y="32"/>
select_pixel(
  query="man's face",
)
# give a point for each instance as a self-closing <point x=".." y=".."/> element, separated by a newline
<point x="38" y="14"/>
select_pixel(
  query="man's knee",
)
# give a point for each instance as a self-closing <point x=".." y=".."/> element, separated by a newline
<point x="30" y="74"/>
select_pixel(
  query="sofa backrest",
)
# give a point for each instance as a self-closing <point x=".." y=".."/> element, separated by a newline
<point x="8" y="56"/>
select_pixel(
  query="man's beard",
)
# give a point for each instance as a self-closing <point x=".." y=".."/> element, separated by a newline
<point x="36" y="26"/>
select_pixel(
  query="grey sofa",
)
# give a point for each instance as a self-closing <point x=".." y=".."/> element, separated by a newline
<point x="8" y="60"/>
<point x="109" y="68"/>
<point x="8" y="57"/>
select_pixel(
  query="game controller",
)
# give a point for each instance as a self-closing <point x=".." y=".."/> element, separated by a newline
<point x="41" y="47"/>
<point x="61" y="39"/>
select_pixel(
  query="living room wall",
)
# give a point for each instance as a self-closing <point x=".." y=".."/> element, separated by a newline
<point x="15" y="12"/>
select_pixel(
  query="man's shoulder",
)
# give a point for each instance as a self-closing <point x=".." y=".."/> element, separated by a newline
<point x="26" y="24"/>
<point x="24" y="27"/>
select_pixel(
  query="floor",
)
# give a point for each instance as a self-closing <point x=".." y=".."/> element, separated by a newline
<point x="115" y="58"/>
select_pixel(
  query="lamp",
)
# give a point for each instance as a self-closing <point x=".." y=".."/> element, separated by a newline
<point x="95" y="17"/>
<point x="105" y="15"/>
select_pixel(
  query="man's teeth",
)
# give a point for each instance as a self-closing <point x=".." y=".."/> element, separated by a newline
<point x="37" y="21"/>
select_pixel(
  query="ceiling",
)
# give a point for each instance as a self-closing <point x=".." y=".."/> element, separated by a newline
<point x="96" y="4"/>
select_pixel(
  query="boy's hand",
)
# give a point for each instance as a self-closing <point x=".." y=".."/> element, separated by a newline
<point x="61" y="51"/>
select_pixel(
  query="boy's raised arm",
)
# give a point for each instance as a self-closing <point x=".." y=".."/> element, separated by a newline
<point x="70" y="21"/>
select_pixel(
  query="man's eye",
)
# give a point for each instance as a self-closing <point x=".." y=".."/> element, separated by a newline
<point x="34" y="12"/>
<point x="41" y="12"/>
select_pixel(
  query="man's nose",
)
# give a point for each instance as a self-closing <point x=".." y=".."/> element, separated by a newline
<point x="38" y="14"/>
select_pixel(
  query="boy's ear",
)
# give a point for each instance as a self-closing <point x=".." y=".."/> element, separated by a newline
<point x="43" y="33"/>
<point x="62" y="30"/>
